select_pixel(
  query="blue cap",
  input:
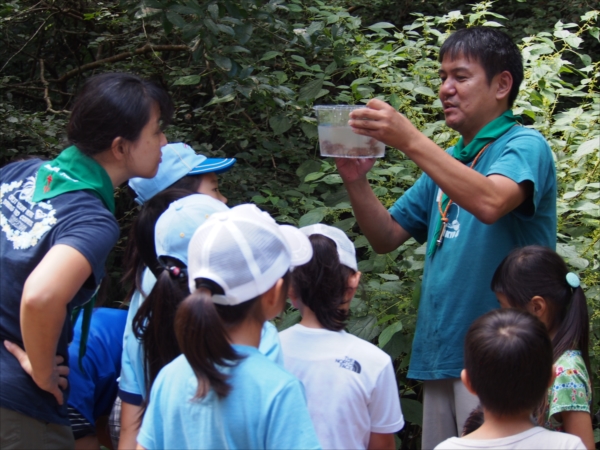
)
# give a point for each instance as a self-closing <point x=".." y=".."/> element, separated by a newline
<point x="175" y="227"/>
<point x="178" y="160"/>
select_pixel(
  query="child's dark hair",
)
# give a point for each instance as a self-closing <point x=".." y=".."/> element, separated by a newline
<point x="539" y="271"/>
<point x="154" y="322"/>
<point x="201" y="329"/>
<point x="508" y="358"/>
<point x="140" y="252"/>
<point x="322" y="283"/>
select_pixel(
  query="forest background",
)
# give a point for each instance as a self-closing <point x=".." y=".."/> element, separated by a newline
<point x="244" y="75"/>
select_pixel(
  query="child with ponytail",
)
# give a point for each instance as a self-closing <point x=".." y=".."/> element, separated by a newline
<point x="222" y="392"/>
<point x="347" y="380"/>
<point x="153" y="344"/>
<point x="536" y="279"/>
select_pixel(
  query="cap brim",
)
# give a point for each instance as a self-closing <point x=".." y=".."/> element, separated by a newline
<point x="299" y="244"/>
<point x="216" y="165"/>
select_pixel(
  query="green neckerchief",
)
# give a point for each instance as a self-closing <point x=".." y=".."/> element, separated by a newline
<point x="86" y="322"/>
<point x="465" y="154"/>
<point x="73" y="171"/>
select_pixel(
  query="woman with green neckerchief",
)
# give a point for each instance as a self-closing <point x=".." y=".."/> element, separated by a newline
<point x="57" y="230"/>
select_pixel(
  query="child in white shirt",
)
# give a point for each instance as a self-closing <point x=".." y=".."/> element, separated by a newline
<point x="348" y="381"/>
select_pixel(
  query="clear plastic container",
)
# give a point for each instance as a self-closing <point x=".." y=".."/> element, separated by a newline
<point x="336" y="138"/>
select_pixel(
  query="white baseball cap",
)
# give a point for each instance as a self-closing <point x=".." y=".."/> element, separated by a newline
<point x="176" y="226"/>
<point x="345" y="247"/>
<point x="245" y="252"/>
<point x="178" y="160"/>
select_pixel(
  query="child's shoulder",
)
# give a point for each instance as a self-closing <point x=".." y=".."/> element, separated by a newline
<point x="255" y="363"/>
<point x="534" y="438"/>
<point x="304" y="343"/>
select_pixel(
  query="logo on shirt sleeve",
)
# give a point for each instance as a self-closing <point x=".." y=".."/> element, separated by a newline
<point x="350" y="364"/>
<point x="23" y="222"/>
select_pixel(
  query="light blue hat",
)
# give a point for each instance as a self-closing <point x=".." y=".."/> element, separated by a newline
<point x="178" y="160"/>
<point x="175" y="227"/>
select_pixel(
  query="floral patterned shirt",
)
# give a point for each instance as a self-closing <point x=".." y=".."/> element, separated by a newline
<point x="571" y="391"/>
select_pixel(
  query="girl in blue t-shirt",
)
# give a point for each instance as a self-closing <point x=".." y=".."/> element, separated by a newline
<point x="222" y="392"/>
<point x="536" y="279"/>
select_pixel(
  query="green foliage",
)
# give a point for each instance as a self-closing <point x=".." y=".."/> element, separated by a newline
<point x="244" y="76"/>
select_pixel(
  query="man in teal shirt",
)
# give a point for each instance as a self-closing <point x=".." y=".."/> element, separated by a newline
<point x="493" y="191"/>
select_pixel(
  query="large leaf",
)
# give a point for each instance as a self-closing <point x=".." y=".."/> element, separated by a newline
<point x="310" y="90"/>
<point x="243" y="33"/>
<point x="280" y="124"/>
<point x="187" y="80"/>
<point x="312" y="217"/>
<point x="364" y="327"/>
<point x="412" y="410"/>
<point x="223" y="62"/>
<point x="389" y="332"/>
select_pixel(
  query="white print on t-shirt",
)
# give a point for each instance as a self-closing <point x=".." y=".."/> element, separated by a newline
<point x="453" y="227"/>
<point x="350" y="364"/>
<point x="23" y="221"/>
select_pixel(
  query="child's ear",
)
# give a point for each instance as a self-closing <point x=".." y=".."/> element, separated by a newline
<point x="537" y="306"/>
<point x="353" y="281"/>
<point x="464" y="376"/>
<point x="118" y="148"/>
<point x="273" y="300"/>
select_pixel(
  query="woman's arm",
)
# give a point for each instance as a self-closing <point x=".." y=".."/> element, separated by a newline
<point x="46" y="293"/>
<point x="130" y="426"/>
<point x="579" y="423"/>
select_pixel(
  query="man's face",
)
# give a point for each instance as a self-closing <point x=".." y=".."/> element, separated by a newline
<point x="468" y="99"/>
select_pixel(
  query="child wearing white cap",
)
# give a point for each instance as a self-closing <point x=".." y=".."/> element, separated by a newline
<point x="153" y="343"/>
<point x="222" y="392"/>
<point x="347" y="380"/>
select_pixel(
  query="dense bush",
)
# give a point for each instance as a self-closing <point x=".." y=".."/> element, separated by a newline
<point x="244" y="76"/>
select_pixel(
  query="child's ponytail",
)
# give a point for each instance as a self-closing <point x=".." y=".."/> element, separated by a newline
<point x="574" y="330"/>
<point x="153" y="323"/>
<point x="201" y="330"/>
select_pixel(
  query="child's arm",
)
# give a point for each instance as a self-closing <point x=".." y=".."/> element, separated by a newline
<point x="380" y="441"/>
<point x="130" y="425"/>
<point x="579" y="423"/>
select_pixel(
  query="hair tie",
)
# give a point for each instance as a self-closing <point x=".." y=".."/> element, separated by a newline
<point x="573" y="280"/>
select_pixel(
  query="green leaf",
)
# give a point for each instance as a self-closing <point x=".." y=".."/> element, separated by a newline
<point x="389" y="276"/>
<point x="279" y="124"/>
<point x="176" y="19"/>
<point x="187" y="80"/>
<point x="334" y="178"/>
<point x="243" y="33"/>
<point x="216" y="100"/>
<point x="387" y="334"/>
<point x="313" y="176"/>
<point x="424" y="90"/>
<point x="587" y="147"/>
<point x="289" y="320"/>
<point x="364" y="327"/>
<point x="380" y="25"/>
<point x="312" y="217"/>
<point x="345" y="224"/>
<point x="308" y="166"/>
<point x="270" y="55"/>
<point x="491" y="23"/>
<point x="309" y="130"/>
<point x="412" y="410"/>
<point x="223" y="62"/>
<point x="311" y="90"/>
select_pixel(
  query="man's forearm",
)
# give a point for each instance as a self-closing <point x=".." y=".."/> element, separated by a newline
<point x="381" y="230"/>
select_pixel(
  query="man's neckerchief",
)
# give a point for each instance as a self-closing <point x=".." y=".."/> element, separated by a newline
<point x="73" y="171"/>
<point x="465" y="154"/>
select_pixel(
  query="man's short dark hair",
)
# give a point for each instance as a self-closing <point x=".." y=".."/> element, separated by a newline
<point x="508" y="357"/>
<point x="493" y="49"/>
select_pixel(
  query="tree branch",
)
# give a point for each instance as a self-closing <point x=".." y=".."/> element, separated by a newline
<point x="120" y="57"/>
<point x="46" y="95"/>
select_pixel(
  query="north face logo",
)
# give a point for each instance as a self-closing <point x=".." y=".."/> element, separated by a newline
<point x="350" y="364"/>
